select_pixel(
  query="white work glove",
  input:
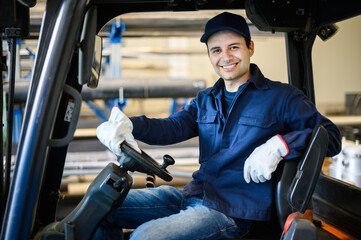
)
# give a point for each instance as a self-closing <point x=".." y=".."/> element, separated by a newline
<point x="115" y="131"/>
<point x="264" y="159"/>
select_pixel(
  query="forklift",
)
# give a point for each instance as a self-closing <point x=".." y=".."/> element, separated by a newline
<point x="68" y="57"/>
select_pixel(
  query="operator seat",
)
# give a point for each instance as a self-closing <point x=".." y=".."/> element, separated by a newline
<point x="295" y="184"/>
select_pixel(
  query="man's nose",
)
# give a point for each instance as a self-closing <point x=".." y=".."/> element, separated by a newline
<point x="227" y="55"/>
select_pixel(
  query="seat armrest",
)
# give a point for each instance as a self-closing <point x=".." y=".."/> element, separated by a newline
<point x="308" y="170"/>
<point x="297" y="178"/>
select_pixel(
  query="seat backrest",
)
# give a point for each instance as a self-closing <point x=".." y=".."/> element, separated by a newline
<point x="297" y="179"/>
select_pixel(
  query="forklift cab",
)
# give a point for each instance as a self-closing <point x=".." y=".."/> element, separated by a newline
<point x="67" y="33"/>
<point x="296" y="181"/>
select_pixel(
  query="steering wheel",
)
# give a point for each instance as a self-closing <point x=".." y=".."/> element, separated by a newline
<point x="147" y="164"/>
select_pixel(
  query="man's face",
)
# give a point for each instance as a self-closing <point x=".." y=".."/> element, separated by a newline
<point x="230" y="56"/>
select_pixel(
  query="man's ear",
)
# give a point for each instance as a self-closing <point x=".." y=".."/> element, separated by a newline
<point x="251" y="48"/>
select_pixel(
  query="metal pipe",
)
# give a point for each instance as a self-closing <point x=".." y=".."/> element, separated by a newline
<point x="109" y="89"/>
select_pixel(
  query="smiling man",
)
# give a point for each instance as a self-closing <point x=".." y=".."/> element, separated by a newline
<point x="230" y="57"/>
<point x="246" y="125"/>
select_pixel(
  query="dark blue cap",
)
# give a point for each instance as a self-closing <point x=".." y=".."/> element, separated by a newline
<point x="226" y="21"/>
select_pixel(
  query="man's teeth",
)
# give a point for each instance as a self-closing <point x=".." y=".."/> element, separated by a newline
<point x="228" y="66"/>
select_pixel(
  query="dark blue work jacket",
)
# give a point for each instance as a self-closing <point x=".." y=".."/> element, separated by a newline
<point x="261" y="109"/>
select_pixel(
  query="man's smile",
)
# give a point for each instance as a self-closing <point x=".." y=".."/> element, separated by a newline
<point x="229" y="67"/>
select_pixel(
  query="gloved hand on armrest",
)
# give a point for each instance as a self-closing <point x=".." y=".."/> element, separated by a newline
<point x="263" y="161"/>
<point x="116" y="130"/>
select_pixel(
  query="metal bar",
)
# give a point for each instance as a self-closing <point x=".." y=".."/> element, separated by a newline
<point x="2" y="197"/>
<point x="51" y="68"/>
<point x="299" y="61"/>
<point x="307" y="59"/>
<point x="10" y="113"/>
<point x="49" y="196"/>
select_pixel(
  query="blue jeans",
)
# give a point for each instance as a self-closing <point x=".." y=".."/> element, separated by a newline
<point x="163" y="213"/>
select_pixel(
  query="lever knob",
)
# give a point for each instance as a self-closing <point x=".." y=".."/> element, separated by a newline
<point x="167" y="160"/>
<point x="118" y="185"/>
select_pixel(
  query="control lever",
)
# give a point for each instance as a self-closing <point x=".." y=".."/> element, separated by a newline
<point x="150" y="179"/>
<point x="167" y="160"/>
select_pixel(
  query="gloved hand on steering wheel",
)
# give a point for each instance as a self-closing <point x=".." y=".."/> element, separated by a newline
<point x="264" y="159"/>
<point x="116" y="130"/>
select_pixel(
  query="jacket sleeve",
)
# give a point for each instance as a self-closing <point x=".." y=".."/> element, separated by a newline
<point x="178" y="127"/>
<point x="301" y="116"/>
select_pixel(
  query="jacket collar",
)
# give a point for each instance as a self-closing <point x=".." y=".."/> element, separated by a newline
<point x="257" y="78"/>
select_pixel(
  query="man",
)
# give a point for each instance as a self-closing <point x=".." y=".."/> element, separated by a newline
<point x="246" y="125"/>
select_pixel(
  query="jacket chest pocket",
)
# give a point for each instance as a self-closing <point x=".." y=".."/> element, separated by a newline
<point x="206" y="118"/>
<point x="207" y="127"/>
<point x="207" y="124"/>
<point x="257" y="121"/>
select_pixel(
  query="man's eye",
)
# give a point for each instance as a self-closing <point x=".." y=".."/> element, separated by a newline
<point x="234" y="47"/>
<point x="215" y="51"/>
